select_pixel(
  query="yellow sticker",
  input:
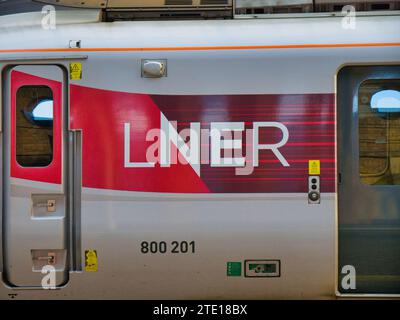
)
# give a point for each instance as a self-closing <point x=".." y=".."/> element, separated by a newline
<point x="91" y="260"/>
<point x="75" y="70"/>
<point x="314" y="167"/>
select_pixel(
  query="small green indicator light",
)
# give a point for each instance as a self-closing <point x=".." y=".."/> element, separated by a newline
<point x="233" y="269"/>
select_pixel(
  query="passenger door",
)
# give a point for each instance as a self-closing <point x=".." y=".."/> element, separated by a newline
<point x="34" y="176"/>
<point x="368" y="102"/>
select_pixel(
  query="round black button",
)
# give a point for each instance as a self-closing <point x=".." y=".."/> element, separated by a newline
<point x="313" y="196"/>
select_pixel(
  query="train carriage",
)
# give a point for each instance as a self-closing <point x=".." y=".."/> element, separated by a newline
<point x="201" y="150"/>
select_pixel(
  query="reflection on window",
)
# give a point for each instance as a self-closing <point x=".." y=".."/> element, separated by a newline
<point x="43" y="111"/>
<point x="379" y="132"/>
<point x="34" y="126"/>
<point x="386" y="101"/>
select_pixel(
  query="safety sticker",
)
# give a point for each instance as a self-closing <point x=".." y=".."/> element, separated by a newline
<point x="314" y="167"/>
<point x="233" y="269"/>
<point x="91" y="260"/>
<point x="75" y="70"/>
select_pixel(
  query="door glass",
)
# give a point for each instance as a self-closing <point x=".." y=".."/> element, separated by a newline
<point x="34" y="126"/>
<point x="379" y="132"/>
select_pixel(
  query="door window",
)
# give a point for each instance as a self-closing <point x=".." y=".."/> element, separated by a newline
<point x="379" y="132"/>
<point x="34" y="126"/>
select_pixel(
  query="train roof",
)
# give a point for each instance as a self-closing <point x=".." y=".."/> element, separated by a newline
<point x="123" y="10"/>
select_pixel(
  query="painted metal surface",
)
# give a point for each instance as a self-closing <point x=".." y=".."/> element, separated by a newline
<point x="215" y="69"/>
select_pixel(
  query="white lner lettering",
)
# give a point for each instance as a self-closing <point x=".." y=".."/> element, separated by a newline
<point x="127" y="151"/>
<point x="227" y="144"/>
<point x="169" y="134"/>
<point x="273" y="147"/>
<point x="223" y="142"/>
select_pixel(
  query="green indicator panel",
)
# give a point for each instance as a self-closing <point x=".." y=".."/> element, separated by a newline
<point x="233" y="269"/>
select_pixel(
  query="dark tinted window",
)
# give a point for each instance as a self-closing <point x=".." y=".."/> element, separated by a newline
<point x="34" y="126"/>
<point x="379" y="132"/>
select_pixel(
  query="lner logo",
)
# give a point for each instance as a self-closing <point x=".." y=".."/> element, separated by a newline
<point x="222" y="144"/>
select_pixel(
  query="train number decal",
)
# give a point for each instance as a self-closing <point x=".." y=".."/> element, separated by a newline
<point x="165" y="247"/>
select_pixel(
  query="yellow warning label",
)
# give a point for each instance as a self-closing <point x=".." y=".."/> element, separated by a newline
<point x="91" y="260"/>
<point x="314" y="167"/>
<point x="75" y="70"/>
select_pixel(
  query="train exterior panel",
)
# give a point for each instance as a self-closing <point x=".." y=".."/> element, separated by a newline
<point x="125" y="207"/>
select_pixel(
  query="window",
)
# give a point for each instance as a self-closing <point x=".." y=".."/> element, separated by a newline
<point x="379" y="132"/>
<point x="34" y="126"/>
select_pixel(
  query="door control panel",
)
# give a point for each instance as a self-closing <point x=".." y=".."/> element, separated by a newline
<point x="314" y="194"/>
<point x="262" y="268"/>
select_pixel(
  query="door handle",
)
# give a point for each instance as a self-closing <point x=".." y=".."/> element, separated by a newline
<point x="50" y="205"/>
<point x="51" y="258"/>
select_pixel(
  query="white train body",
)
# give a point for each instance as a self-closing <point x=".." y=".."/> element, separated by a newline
<point x="114" y="224"/>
